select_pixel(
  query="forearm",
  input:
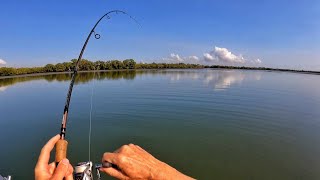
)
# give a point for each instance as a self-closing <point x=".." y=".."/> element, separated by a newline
<point x="170" y="173"/>
<point x="136" y="163"/>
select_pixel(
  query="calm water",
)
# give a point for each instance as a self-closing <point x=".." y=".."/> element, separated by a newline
<point x="209" y="124"/>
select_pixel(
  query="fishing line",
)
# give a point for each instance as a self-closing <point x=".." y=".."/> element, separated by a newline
<point x="75" y="70"/>
<point x="90" y="118"/>
<point x="83" y="170"/>
<point x="62" y="144"/>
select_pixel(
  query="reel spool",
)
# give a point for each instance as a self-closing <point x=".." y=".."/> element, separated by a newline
<point x="83" y="170"/>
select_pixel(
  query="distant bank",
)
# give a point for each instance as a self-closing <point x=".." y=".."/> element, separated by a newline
<point x="86" y="65"/>
<point x="262" y="69"/>
<point x="128" y="64"/>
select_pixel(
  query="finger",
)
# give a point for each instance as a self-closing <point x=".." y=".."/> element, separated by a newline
<point x="69" y="175"/>
<point x="136" y="151"/>
<point x="121" y="148"/>
<point x="52" y="167"/>
<point x="45" y="151"/>
<point x="70" y="170"/>
<point x="138" y="147"/>
<point x="110" y="157"/>
<point x="114" y="173"/>
<point x="141" y="149"/>
<point x="118" y="160"/>
<point x="125" y="149"/>
<point x="61" y="170"/>
<point x="134" y="148"/>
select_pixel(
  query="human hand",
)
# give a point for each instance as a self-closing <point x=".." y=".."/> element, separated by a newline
<point x="133" y="162"/>
<point x="45" y="171"/>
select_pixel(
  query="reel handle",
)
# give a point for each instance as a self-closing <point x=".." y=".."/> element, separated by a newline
<point x="61" y="150"/>
<point x="106" y="164"/>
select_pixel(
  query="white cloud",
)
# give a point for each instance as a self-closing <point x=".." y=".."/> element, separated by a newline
<point x="2" y="62"/>
<point x="223" y="55"/>
<point x="257" y="61"/>
<point x="208" y="57"/>
<point x="218" y="55"/>
<point x="194" y="58"/>
<point x="176" y="58"/>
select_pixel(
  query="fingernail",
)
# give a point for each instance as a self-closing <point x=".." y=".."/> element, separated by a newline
<point x="65" y="161"/>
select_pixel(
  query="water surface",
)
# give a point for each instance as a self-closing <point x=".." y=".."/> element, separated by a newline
<point x="209" y="124"/>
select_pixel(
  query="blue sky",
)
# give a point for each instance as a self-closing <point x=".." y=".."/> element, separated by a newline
<point x="280" y="33"/>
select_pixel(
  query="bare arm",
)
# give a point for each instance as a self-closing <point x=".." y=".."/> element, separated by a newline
<point x="133" y="162"/>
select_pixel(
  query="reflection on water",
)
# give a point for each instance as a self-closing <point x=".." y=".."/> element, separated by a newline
<point x="224" y="80"/>
<point x="3" y="88"/>
<point x="61" y="77"/>
<point x="210" y="124"/>
<point x="218" y="79"/>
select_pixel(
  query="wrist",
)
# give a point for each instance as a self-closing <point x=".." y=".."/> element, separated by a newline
<point x="167" y="172"/>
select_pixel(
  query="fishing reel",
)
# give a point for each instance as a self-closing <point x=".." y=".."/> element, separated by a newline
<point x="5" y="178"/>
<point x="83" y="170"/>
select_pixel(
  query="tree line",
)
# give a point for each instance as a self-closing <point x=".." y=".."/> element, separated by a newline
<point x="84" y="77"/>
<point x="261" y="68"/>
<point x="80" y="79"/>
<point x="86" y="65"/>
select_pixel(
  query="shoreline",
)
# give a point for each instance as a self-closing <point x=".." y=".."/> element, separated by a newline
<point x="66" y="72"/>
<point x="269" y="70"/>
<point x="214" y="68"/>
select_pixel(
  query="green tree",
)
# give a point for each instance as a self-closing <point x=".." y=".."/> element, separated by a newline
<point x="129" y="64"/>
<point x="85" y="65"/>
<point x="99" y="65"/>
<point x="49" y="68"/>
<point x="5" y="71"/>
<point x="116" y="64"/>
<point x="60" y="67"/>
<point x="108" y="65"/>
<point x="68" y="66"/>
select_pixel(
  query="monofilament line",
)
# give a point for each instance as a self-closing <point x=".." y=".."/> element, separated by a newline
<point x="90" y="118"/>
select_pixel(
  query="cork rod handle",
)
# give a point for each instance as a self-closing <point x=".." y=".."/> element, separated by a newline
<point x="61" y="150"/>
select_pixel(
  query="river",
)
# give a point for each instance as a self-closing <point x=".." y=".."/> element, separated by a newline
<point x="209" y="124"/>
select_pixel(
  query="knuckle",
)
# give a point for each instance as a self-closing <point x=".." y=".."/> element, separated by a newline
<point x="106" y="155"/>
<point x="125" y="147"/>
<point x="121" y="158"/>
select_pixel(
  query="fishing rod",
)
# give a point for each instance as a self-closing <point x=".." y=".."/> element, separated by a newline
<point x="62" y="144"/>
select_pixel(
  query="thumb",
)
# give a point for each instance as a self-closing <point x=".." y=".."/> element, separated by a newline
<point x="61" y="170"/>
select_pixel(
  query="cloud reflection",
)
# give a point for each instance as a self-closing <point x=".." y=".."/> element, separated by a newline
<point x="218" y="79"/>
<point x="3" y="88"/>
<point x="224" y="79"/>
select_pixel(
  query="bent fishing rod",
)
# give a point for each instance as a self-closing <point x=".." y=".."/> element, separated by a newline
<point x="61" y="146"/>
